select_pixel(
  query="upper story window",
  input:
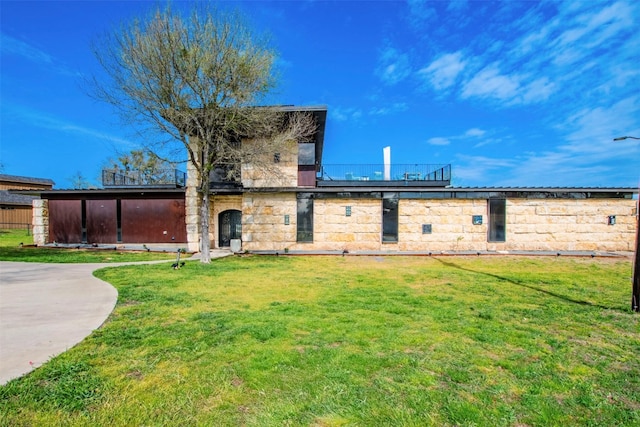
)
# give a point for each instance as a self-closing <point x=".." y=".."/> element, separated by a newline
<point x="307" y="154"/>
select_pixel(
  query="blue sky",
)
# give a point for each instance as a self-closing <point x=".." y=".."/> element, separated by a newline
<point x="510" y="93"/>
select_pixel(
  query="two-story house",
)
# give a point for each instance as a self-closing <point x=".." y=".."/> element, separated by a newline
<point x="311" y="206"/>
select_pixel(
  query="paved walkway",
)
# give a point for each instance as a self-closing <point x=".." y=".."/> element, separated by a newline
<point x="45" y="309"/>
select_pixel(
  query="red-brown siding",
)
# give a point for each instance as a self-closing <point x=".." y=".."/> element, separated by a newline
<point x="101" y="221"/>
<point x="65" y="221"/>
<point x="153" y="221"/>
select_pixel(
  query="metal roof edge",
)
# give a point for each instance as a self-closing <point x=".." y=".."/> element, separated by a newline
<point x="110" y="191"/>
<point x="26" y="179"/>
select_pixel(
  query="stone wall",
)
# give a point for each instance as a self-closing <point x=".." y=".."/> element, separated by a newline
<point x="263" y="221"/>
<point x="265" y="171"/>
<point x="334" y="230"/>
<point x="531" y="224"/>
<point x="452" y="227"/>
<point x="40" y="223"/>
<point x="571" y="224"/>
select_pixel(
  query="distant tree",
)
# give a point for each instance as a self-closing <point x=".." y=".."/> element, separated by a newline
<point x="79" y="181"/>
<point x="198" y="79"/>
<point x="142" y="167"/>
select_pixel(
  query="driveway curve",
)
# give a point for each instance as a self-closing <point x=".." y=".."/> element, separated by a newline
<point x="45" y="309"/>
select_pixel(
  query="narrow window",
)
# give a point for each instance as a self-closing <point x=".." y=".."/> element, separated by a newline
<point x="390" y="217"/>
<point x="118" y="220"/>
<point x="497" y="220"/>
<point x="305" y="219"/>
<point x="83" y="220"/>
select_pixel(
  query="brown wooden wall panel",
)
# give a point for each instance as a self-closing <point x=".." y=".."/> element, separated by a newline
<point x="306" y="176"/>
<point x="101" y="221"/>
<point x="12" y="216"/>
<point x="153" y="221"/>
<point x="65" y="221"/>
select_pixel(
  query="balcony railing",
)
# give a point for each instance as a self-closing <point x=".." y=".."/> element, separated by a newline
<point x="166" y="178"/>
<point x="360" y="175"/>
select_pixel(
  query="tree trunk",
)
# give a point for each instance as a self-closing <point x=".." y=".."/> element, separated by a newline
<point x="205" y="243"/>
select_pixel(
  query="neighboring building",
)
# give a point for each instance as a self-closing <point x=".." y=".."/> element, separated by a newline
<point x="309" y="206"/>
<point x="15" y="208"/>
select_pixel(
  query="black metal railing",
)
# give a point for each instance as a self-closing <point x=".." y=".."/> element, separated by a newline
<point x="159" y="178"/>
<point x="379" y="172"/>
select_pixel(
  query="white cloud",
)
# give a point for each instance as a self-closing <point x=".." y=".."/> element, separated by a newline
<point x="47" y="121"/>
<point x="490" y="83"/>
<point x="444" y="71"/>
<point x="438" y="141"/>
<point x="590" y="130"/>
<point x="393" y="66"/>
<point x="420" y="12"/>
<point x="537" y="91"/>
<point x="477" y="170"/>
<point x="397" y="107"/>
<point x="474" y="133"/>
<point x="341" y="114"/>
<point x="14" y="46"/>
<point x="469" y="135"/>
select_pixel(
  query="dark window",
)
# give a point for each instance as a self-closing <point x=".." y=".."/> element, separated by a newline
<point x="497" y="220"/>
<point x="389" y="217"/>
<point x="118" y="220"/>
<point x="305" y="220"/>
<point x="307" y="154"/>
<point x="84" y="220"/>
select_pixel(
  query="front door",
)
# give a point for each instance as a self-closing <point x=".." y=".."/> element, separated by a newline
<point x="229" y="227"/>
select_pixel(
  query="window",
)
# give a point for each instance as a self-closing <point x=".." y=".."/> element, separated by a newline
<point x="497" y="220"/>
<point x="305" y="219"/>
<point x="307" y="154"/>
<point x="389" y="217"/>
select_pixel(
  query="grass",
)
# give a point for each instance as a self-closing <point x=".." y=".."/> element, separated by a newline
<point x="333" y="341"/>
<point x="17" y="245"/>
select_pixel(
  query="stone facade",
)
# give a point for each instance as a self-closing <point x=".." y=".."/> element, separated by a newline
<point x="531" y="224"/>
<point x="272" y="169"/>
<point x="263" y="221"/>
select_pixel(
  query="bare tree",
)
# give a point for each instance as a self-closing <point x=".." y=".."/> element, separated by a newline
<point x="79" y="182"/>
<point x="197" y="79"/>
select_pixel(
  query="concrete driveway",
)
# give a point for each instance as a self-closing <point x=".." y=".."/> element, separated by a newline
<point x="46" y="309"/>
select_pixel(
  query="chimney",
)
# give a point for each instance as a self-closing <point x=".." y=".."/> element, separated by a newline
<point x="386" y="152"/>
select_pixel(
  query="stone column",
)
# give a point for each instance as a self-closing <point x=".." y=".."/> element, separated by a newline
<point x="40" y="221"/>
<point x="192" y="209"/>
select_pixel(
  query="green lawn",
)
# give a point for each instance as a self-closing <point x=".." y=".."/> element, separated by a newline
<point x="17" y="245"/>
<point x="368" y="341"/>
